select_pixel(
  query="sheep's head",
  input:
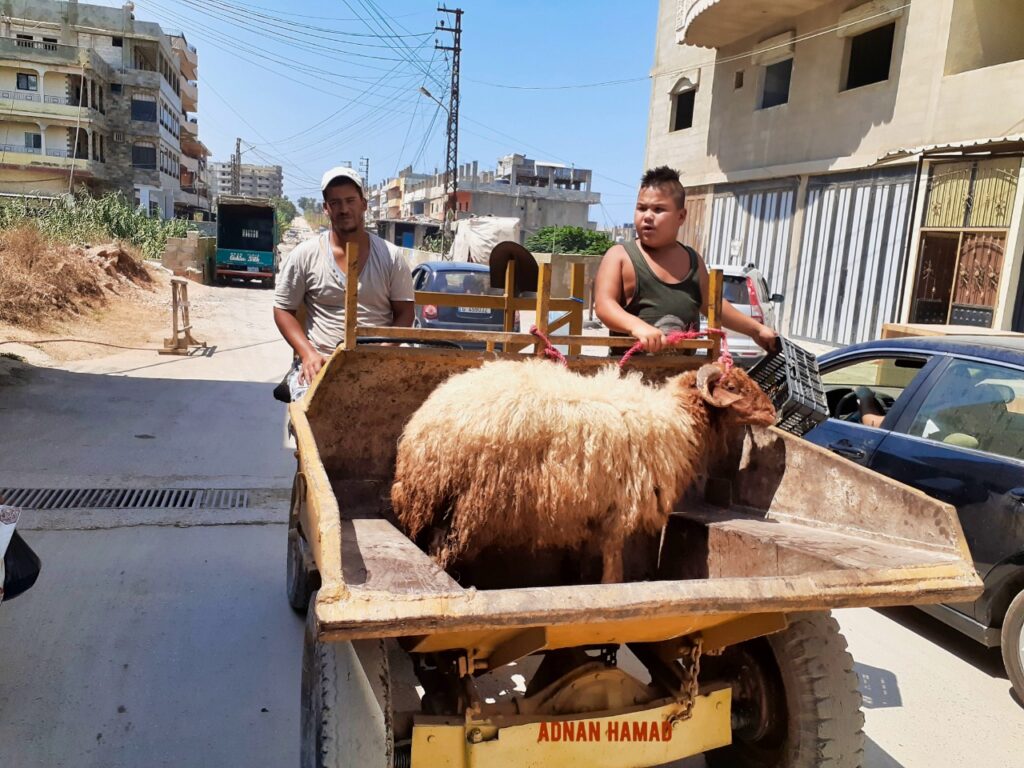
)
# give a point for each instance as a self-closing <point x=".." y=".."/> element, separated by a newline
<point x="736" y="393"/>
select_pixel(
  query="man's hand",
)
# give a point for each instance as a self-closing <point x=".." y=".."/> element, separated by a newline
<point x="311" y="365"/>
<point x="767" y="339"/>
<point x="653" y="339"/>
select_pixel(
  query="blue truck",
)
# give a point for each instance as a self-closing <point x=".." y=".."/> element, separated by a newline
<point x="247" y="237"/>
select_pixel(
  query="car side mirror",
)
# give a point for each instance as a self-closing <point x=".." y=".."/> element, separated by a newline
<point x="777" y="298"/>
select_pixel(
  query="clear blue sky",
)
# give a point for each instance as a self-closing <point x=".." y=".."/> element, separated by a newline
<point x="312" y="90"/>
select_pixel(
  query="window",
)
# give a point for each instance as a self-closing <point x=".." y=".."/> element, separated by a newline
<point x="33" y="141"/>
<point x="886" y="377"/>
<point x="870" y="57"/>
<point x="143" y="110"/>
<point x="117" y="42"/>
<point x="682" y="109"/>
<point x="775" y="90"/>
<point x="144" y="156"/>
<point x="115" y="87"/>
<point x="27" y="82"/>
<point x="975" y="405"/>
<point x="25" y="41"/>
<point x="737" y="79"/>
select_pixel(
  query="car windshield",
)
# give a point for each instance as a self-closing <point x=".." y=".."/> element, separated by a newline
<point x="734" y="289"/>
<point x="463" y="281"/>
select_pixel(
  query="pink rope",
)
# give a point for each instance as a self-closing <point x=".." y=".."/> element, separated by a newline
<point x="549" y="349"/>
<point x="676" y="336"/>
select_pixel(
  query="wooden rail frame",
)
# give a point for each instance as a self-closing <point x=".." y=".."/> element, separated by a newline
<point x="181" y="339"/>
<point x="510" y="341"/>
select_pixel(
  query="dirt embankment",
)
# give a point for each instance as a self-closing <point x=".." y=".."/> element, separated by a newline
<point x="63" y="302"/>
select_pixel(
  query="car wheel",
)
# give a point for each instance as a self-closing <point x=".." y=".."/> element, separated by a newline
<point x="1012" y="641"/>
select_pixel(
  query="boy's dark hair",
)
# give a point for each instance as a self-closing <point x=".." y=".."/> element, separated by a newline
<point x="667" y="180"/>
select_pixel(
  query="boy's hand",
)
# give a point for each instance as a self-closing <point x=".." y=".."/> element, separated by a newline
<point x="311" y="365"/>
<point x="767" y="339"/>
<point x="653" y="340"/>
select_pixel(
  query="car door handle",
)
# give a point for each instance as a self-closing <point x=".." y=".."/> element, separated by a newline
<point x="847" y="451"/>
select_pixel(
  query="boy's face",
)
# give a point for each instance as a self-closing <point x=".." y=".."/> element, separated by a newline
<point x="657" y="217"/>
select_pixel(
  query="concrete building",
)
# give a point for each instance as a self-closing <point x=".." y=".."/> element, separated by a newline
<point x="866" y="157"/>
<point x="93" y="98"/>
<point x="539" y="194"/>
<point x="254" y="180"/>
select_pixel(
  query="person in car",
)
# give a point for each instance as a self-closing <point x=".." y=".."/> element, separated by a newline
<point x="642" y="281"/>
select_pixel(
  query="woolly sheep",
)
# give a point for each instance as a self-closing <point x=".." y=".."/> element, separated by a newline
<point x="529" y="454"/>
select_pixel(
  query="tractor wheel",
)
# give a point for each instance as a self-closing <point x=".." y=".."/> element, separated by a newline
<point x="796" y="702"/>
<point x="347" y="712"/>
<point x="303" y="580"/>
<point x="1012" y="641"/>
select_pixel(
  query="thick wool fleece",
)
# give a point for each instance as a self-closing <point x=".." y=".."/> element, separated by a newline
<point x="531" y="454"/>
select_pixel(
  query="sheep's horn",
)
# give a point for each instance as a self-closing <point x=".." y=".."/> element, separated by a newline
<point x="705" y="376"/>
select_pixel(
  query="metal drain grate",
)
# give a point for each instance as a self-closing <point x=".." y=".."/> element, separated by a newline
<point x="125" y="498"/>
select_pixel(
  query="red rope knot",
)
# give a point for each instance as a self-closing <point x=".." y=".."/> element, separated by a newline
<point x="676" y="336"/>
<point x="549" y="348"/>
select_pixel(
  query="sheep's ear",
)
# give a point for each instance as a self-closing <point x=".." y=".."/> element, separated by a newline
<point x="707" y="384"/>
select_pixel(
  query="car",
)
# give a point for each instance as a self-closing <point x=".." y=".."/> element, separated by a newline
<point x="457" y="277"/>
<point x="949" y="412"/>
<point x="746" y="289"/>
<point x="19" y="565"/>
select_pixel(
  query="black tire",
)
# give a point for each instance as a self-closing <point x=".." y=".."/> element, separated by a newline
<point x="813" y="702"/>
<point x="1012" y="641"/>
<point x="303" y="580"/>
<point x="346" y="716"/>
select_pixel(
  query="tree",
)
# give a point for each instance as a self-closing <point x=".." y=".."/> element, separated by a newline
<point x="568" y="240"/>
<point x="285" y="211"/>
<point x="307" y="204"/>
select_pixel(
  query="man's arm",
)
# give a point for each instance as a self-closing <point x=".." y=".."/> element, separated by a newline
<point x="732" y="318"/>
<point x="403" y="313"/>
<point x="608" y="302"/>
<point x="288" y="324"/>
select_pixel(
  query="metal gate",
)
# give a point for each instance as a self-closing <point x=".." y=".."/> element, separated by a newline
<point x="852" y="255"/>
<point x="752" y="224"/>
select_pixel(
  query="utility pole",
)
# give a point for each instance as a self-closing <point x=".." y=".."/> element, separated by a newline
<point x="236" y="168"/>
<point x="364" y="169"/>
<point x="451" y="168"/>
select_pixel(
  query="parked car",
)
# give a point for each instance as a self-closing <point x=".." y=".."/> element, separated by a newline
<point x="746" y="289"/>
<point x="951" y="413"/>
<point x="19" y="565"/>
<point x="457" y="277"/>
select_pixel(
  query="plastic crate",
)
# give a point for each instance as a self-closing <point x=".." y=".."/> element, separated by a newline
<point x="791" y="379"/>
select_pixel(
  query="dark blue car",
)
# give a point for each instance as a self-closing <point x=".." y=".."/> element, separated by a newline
<point x="950" y="421"/>
<point x="457" y="277"/>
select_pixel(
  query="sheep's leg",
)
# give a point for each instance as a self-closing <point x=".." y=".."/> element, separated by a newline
<point x="612" y="570"/>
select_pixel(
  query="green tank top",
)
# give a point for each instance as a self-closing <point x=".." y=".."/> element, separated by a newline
<point x="653" y="298"/>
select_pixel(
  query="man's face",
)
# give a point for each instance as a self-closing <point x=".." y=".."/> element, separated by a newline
<point x="657" y="217"/>
<point x="345" y="207"/>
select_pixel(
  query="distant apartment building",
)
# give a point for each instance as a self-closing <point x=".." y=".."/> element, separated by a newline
<point x="539" y="194"/>
<point x="253" y="180"/>
<point x="865" y="156"/>
<point x="92" y="98"/>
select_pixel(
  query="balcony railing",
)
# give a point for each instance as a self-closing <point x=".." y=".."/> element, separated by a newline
<point x="19" y="96"/>
<point x="57" y="153"/>
<point x="20" y="149"/>
<point x="58" y="53"/>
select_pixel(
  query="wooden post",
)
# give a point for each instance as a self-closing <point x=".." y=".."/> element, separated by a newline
<point x="577" y="275"/>
<point x="181" y="338"/>
<point x="715" y="312"/>
<point x="543" y="301"/>
<point x="509" y="316"/>
<point x="351" y="294"/>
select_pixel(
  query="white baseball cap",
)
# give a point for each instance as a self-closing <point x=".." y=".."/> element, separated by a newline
<point x="342" y="172"/>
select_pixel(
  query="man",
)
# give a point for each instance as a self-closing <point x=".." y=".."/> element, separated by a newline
<point x="654" y="277"/>
<point x="314" y="275"/>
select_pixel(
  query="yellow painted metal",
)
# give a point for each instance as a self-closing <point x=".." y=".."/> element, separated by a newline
<point x="637" y="738"/>
<point x="995" y="185"/>
<point x="948" y="189"/>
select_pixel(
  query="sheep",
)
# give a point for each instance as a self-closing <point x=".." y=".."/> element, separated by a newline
<point x="529" y="454"/>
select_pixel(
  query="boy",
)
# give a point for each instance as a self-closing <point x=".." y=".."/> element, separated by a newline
<point x="645" y="280"/>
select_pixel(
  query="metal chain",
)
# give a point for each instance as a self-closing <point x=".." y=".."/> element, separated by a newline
<point x="691" y="688"/>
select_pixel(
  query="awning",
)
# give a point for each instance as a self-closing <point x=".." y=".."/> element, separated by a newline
<point x="1003" y="144"/>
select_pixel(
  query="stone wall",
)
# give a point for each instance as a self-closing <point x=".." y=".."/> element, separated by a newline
<point x="190" y="256"/>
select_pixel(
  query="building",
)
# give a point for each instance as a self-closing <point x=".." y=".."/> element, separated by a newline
<point x="92" y="98"/>
<point x="539" y="194"/>
<point x="253" y="180"/>
<point x="866" y="157"/>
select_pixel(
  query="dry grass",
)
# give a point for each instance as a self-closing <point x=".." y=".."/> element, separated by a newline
<point x="43" y="281"/>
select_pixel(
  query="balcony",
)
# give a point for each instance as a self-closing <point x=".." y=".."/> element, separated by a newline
<point x="141" y="78"/>
<point x="30" y="104"/>
<point x="189" y="96"/>
<point x="28" y="157"/>
<point x="191" y="127"/>
<point x="54" y="54"/>
<point x="718" y="23"/>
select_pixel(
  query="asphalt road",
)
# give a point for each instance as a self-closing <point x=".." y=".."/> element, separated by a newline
<point x="164" y="638"/>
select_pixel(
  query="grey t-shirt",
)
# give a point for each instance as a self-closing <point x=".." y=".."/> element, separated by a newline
<point x="309" y="276"/>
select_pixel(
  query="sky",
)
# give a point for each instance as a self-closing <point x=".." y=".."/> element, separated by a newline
<point x="309" y="85"/>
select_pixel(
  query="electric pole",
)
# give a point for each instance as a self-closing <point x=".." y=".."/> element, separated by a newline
<point x="364" y="169"/>
<point x="451" y="168"/>
<point x="236" y="168"/>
